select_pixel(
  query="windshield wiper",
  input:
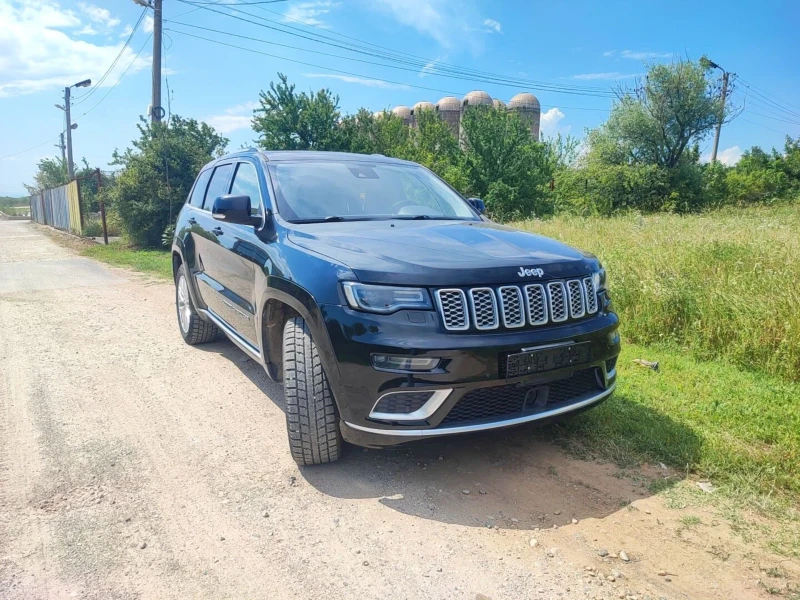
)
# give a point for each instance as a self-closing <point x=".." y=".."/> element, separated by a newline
<point x="330" y="219"/>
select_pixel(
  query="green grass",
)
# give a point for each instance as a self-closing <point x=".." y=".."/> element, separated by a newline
<point x="739" y="428"/>
<point x="157" y="262"/>
<point x="720" y="285"/>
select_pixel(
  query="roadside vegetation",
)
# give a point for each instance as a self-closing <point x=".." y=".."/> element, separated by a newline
<point x="120" y="254"/>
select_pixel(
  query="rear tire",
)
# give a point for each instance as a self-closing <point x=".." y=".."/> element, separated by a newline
<point x="311" y="418"/>
<point x="194" y="329"/>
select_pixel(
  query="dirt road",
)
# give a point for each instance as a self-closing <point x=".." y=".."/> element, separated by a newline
<point x="135" y="466"/>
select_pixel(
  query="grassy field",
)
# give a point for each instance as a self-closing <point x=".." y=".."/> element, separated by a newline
<point x="715" y="299"/>
<point x="720" y="285"/>
<point x="157" y="262"/>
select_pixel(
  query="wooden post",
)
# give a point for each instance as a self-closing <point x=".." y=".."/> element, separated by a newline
<point x="102" y="207"/>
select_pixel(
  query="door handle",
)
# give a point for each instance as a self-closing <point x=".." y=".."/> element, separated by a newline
<point x="217" y="231"/>
<point x="192" y="221"/>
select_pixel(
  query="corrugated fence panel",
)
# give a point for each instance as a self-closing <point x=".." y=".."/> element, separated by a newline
<point x="58" y="207"/>
<point x="73" y="198"/>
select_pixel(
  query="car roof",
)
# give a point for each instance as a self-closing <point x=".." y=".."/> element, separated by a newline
<point x="314" y="155"/>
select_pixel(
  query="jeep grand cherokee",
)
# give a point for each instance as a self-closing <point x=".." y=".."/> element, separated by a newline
<point x="387" y="305"/>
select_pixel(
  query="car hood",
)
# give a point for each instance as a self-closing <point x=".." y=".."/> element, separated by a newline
<point x="437" y="253"/>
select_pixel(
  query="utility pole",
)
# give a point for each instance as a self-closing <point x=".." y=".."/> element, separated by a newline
<point x="725" y="75"/>
<point x="70" y="166"/>
<point x="63" y="147"/>
<point x="70" y="126"/>
<point x="721" y="115"/>
<point x="156" y="112"/>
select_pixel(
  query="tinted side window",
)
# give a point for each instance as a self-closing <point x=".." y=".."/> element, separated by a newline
<point x="199" y="190"/>
<point x="218" y="186"/>
<point x="245" y="183"/>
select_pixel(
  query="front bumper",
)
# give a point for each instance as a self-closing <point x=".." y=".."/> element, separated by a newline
<point x="471" y="362"/>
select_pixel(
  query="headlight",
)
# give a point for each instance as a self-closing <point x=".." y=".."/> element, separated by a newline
<point x="383" y="298"/>
<point x="599" y="280"/>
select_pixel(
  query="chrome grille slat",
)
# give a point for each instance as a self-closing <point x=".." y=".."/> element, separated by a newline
<point x="484" y="308"/>
<point x="591" y="296"/>
<point x="537" y="304"/>
<point x="575" y="294"/>
<point x="514" y="306"/>
<point x="511" y="309"/>
<point x="557" y="296"/>
<point x="453" y="308"/>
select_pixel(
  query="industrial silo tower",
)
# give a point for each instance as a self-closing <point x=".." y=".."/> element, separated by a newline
<point x="471" y="100"/>
<point x="418" y="108"/>
<point x="529" y="110"/>
<point x="449" y="109"/>
<point x="498" y="104"/>
<point x="404" y="113"/>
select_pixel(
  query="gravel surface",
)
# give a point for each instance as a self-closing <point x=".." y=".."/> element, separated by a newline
<point x="135" y="466"/>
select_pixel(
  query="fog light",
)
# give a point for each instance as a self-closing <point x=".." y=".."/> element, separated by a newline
<point x="613" y="338"/>
<point x="404" y="363"/>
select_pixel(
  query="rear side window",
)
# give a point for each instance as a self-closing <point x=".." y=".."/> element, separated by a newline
<point x="245" y="183"/>
<point x="199" y="190"/>
<point x="218" y="186"/>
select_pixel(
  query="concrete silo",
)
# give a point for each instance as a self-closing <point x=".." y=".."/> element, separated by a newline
<point x="418" y="108"/>
<point x="498" y="104"/>
<point x="404" y="113"/>
<point x="449" y="110"/>
<point x="472" y="99"/>
<point x="530" y="111"/>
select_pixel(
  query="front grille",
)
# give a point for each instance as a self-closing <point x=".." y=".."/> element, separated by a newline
<point x="535" y="304"/>
<point x="402" y="402"/>
<point x="504" y="402"/>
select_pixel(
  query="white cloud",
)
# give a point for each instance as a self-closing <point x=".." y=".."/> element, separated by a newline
<point x="235" y="118"/>
<point x="226" y="124"/>
<point x="86" y="30"/>
<point x="492" y="26"/>
<point x="307" y="12"/>
<point x="729" y="156"/>
<point x="376" y="83"/>
<point x="637" y="55"/>
<point x="608" y="53"/>
<point x="611" y="75"/>
<point x="442" y="20"/>
<point x="39" y="49"/>
<point x="148" y="24"/>
<point x="98" y="15"/>
<point x="126" y="31"/>
<point x="551" y="121"/>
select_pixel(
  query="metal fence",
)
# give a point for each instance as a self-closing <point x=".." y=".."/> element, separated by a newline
<point x="58" y="207"/>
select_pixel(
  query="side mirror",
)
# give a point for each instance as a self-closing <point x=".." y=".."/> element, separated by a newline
<point x="233" y="209"/>
<point x="477" y="204"/>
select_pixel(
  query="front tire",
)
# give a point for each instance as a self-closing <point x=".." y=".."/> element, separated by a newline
<point x="194" y="330"/>
<point x="311" y="419"/>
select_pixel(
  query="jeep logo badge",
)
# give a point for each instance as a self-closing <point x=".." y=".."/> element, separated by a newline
<point x="523" y="272"/>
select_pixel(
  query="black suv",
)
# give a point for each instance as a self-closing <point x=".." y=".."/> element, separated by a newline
<point x="389" y="307"/>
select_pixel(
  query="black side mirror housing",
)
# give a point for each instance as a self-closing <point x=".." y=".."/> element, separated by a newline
<point x="477" y="204"/>
<point x="233" y="209"/>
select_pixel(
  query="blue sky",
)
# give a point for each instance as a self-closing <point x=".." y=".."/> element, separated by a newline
<point x="563" y="51"/>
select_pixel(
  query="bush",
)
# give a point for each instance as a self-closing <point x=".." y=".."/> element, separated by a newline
<point x="157" y="174"/>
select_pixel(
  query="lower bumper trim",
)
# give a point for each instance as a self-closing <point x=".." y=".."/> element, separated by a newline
<point x="581" y="403"/>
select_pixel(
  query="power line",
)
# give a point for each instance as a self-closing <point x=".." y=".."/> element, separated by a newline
<point x="31" y="148"/>
<point x="769" y="98"/>
<point x="328" y="54"/>
<point x="763" y="126"/>
<point x="85" y="96"/>
<point x="433" y="67"/>
<point x="111" y="89"/>
<point x="349" y="73"/>
<point x="769" y="108"/>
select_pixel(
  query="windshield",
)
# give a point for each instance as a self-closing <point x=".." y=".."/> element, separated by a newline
<point x="345" y="190"/>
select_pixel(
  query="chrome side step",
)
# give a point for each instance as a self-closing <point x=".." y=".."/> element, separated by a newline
<point x="242" y="343"/>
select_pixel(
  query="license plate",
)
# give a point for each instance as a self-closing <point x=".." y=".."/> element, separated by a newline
<point x="547" y="359"/>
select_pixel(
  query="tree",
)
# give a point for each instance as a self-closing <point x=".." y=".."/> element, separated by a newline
<point x="287" y="120"/>
<point x="52" y="172"/>
<point x="503" y="164"/>
<point x="675" y="107"/>
<point x="157" y="174"/>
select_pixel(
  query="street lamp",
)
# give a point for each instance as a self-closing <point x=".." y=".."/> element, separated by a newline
<point x="70" y="127"/>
